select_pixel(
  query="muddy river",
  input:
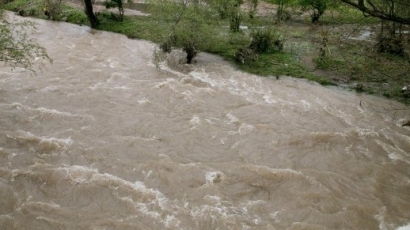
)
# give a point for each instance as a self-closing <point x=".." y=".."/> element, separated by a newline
<point x="107" y="138"/>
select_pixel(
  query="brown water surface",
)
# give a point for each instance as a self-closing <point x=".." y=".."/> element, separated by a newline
<point x="103" y="139"/>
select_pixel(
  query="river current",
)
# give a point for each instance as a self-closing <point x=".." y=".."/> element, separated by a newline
<point x="107" y="138"/>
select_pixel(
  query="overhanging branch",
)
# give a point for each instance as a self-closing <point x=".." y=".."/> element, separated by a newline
<point x="377" y="13"/>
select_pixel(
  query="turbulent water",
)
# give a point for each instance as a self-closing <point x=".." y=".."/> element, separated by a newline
<point x="104" y="138"/>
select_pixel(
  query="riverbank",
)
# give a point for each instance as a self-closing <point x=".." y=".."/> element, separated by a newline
<point x="350" y="61"/>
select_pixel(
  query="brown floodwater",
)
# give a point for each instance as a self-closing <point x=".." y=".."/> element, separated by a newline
<point x="106" y="137"/>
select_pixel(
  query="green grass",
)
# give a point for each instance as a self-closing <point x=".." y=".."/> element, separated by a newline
<point x="146" y="28"/>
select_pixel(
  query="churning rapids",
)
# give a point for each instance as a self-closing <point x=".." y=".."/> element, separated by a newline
<point x="105" y="139"/>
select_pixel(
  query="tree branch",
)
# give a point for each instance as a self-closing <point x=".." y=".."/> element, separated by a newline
<point x="376" y="12"/>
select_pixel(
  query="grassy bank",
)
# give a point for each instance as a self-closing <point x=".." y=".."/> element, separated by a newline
<point x="334" y="52"/>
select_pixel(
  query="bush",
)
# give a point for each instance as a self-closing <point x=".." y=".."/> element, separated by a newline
<point x="235" y="20"/>
<point x="265" y="41"/>
<point x="52" y="9"/>
<point x="318" y="6"/>
<point x="116" y="4"/>
<point x="246" y="55"/>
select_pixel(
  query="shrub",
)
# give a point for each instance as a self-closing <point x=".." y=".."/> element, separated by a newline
<point x="318" y="6"/>
<point x="265" y="41"/>
<point x="52" y="9"/>
<point x="116" y="4"/>
<point x="246" y="55"/>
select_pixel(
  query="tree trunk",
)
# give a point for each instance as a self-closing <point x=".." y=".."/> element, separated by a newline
<point x="191" y="52"/>
<point x="90" y="14"/>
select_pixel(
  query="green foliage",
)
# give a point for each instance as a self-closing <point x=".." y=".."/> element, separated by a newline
<point x="235" y="20"/>
<point x="278" y="64"/>
<point x="25" y="8"/>
<point x="317" y="6"/>
<point x="252" y="10"/>
<point x="225" y="8"/>
<point x="73" y="15"/>
<point x="189" y="27"/>
<point x="281" y="13"/>
<point x="16" y="48"/>
<point x="246" y="55"/>
<point x="266" y="41"/>
<point x="230" y="9"/>
<point x="36" y="8"/>
<point x="116" y="4"/>
<point x="52" y="9"/>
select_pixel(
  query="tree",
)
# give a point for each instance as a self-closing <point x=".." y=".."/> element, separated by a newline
<point x="189" y="28"/>
<point x="383" y="9"/>
<point x="394" y="15"/>
<point x="90" y="14"/>
<point x="16" y="48"/>
<point x="226" y="7"/>
<point x="230" y="9"/>
<point x="318" y="7"/>
<point x="281" y="13"/>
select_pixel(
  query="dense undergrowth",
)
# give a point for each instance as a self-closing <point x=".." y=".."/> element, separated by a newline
<point x="338" y="51"/>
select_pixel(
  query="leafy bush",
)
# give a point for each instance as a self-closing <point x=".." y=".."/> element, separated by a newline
<point x="265" y="41"/>
<point x="236" y="19"/>
<point x="318" y="6"/>
<point x="116" y="4"/>
<point x="52" y="9"/>
<point x="189" y="28"/>
<point x="246" y="55"/>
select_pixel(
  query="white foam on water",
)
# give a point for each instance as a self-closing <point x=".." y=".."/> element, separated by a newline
<point x="164" y="66"/>
<point x="82" y="174"/>
<point x="171" y="221"/>
<point x="55" y="112"/>
<point x="44" y="111"/>
<point x="154" y="205"/>
<point x="393" y="152"/>
<point x="121" y="88"/>
<point x="269" y="99"/>
<point x="232" y="118"/>
<point x="380" y="217"/>
<point x="215" y="199"/>
<point x="363" y="133"/>
<point x="305" y="104"/>
<point x="218" y="210"/>
<point x="245" y="129"/>
<point x="213" y="177"/>
<point x="117" y="77"/>
<point x="167" y="82"/>
<point x="50" y="88"/>
<point x="203" y="76"/>
<point x="112" y="63"/>
<point x="96" y="86"/>
<point x="143" y="100"/>
<point x="347" y="118"/>
<point x="195" y="122"/>
<point x="45" y="143"/>
<point x="404" y="227"/>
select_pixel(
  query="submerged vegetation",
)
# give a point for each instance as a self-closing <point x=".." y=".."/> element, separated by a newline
<point x="320" y="40"/>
